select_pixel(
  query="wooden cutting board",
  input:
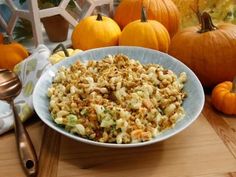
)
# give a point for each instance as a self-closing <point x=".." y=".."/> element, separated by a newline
<point x="205" y="149"/>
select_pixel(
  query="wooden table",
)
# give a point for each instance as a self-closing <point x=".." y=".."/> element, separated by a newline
<point x="205" y="149"/>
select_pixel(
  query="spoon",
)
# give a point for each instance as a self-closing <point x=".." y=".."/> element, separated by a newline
<point x="10" y="87"/>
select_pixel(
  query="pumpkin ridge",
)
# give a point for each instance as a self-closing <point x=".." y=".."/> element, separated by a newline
<point x="221" y="95"/>
<point x="170" y="7"/>
<point x="226" y="85"/>
<point x="167" y="23"/>
<point x="148" y="6"/>
<point x="95" y="29"/>
<point x="206" y="41"/>
<point x="206" y="47"/>
<point x="110" y="32"/>
<point x="162" y="39"/>
<point x="1" y="38"/>
<point x="155" y="33"/>
<point x="216" y="97"/>
<point x="227" y="100"/>
<point x="233" y="90"/>
<point x="154" y="9"/>
<point x="192" y="54"/>
<point x="229" y="42"/>
<point x="159" y="14"/>
<point x="234" y="104"/>
<point x="132" y="10"/>
<point x="226" y="36"/>
<point x="223" y="88"/>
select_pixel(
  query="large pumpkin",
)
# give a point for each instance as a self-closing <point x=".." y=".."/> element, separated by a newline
<point x="145" y="33"/>
<point x="163" y="11"/>
<point x="94" y="32"/>
<point x="11" y="54"/>
<point x="208" y="50"/>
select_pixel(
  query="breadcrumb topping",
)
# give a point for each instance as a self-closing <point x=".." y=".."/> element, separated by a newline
<point x="116" y="99"/>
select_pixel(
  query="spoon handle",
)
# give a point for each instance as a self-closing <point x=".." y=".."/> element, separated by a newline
<point x="25" y="147"/>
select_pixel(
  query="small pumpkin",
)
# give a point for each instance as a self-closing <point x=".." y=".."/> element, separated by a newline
<point x="223" y="97"/>
<point x="62" y="54"/>
<point x="1" y="38"/>
<point x="11" y="53"/>
<point x="145" y="33"/>
<point x="163" y="11"/>
<point x="95" y="31"/>
<point x="208" y="50"/>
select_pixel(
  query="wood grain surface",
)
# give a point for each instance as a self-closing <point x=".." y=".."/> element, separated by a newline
<point x="207" y="148"/>
<point x="222" y="128"/>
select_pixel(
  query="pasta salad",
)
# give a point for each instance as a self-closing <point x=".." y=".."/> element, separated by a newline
<point x="116" y="99"/>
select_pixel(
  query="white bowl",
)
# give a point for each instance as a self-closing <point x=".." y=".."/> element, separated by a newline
<point x="193" y="104"/>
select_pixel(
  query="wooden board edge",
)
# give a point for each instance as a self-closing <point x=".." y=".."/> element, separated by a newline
<point x="221" y="127"/>
<point x="49" y="153"/>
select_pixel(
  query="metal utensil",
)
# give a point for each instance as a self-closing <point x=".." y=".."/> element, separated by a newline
<point x="10" y="87"/>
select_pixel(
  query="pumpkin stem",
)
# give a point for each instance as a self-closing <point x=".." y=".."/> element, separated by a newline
<point x="6" y="39"/>
<point x="143" y="15"/>
<point x="234" y="85"/>
<point x="63" y="49"/>
<point x="206" y="23"/>
<point x="99" y="17"/>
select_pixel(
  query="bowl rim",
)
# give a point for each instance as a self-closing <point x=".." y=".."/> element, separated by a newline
<point x="54" y="126"/>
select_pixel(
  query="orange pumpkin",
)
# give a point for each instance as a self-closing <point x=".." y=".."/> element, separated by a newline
<point x="95" y="31"/>
<point x="11" y="54"/>
<point x="163" y="11"/>
<point x="145" y="33"/>
<point x="208" y="50"/>
<point x="224" y="97"/>
<point x="1" y="38"/>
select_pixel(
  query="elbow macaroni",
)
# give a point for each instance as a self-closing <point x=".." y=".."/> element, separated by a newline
<point x="117" y="99"/>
